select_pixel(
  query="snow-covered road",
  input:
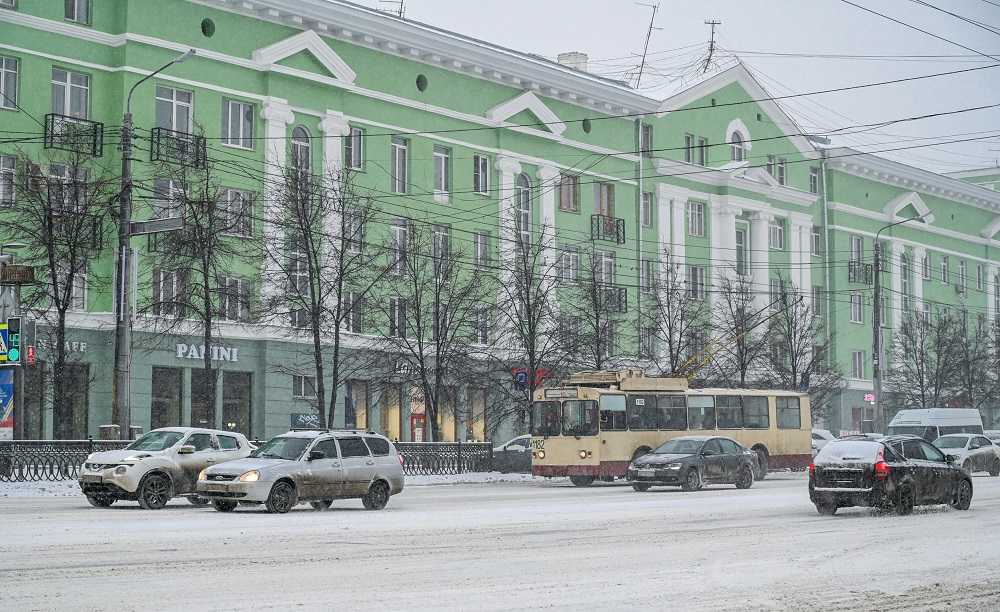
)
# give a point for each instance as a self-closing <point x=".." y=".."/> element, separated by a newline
<point x="505" y="546"/>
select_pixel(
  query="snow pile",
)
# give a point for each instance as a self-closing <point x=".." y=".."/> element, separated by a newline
<point x="45" y="488"/>
<point x="472" y="478"/>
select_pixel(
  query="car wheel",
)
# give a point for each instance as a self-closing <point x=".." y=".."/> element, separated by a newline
<point x="762" y="464"/>
<point x="154" y="491"/>
<point x="582" y="481"/>
<point x="377" y="496"/>
<point x="196" y="500"/>
<point x="640" y="487"/>
<point x="995" y="468"/>
<point x="224" y="505"/>
<point x="323" y="504"/>
<point x="904" y="501"/>
<point x="692" y="480"/>
<point x="101" y="501"/>
<point x="744" y="480"/>
<point x="963" y="497"/>
<point x="826" y="508"/>
<point x="282" y="498"/>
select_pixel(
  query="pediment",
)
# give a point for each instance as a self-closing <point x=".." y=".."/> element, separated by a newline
<point x="284" y="52"/>
<point x="527" y="102"/>
<point x="908" y="206"/>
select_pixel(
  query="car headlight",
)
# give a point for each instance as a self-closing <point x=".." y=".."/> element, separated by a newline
<point x="203" y="475"/>
<point x="673" y="466"/>
<point x="121" y="469"/>
<point x="251" y="476"/>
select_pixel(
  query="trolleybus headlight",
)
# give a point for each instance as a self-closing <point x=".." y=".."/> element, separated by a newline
<point x="583" y="454"/>
<point x="540" y="454"/>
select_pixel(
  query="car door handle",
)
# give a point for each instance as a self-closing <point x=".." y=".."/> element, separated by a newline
<point x="369" y="462"/>
<point x="210" y="461"/>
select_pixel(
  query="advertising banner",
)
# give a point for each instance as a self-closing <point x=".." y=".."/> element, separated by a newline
<point x="6" y="403"/>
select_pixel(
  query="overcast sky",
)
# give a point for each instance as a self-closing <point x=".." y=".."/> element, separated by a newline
<point x="612" y="32"/>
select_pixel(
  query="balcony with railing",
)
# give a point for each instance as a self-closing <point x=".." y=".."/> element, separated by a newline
<point x="611" y="229"/>
<point x="73" y="134"/>
<point x="178" y="147"/>
<point x="860" y="272"/>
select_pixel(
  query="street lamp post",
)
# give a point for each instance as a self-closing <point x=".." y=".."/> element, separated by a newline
<point x="877" y="325"/>
<point x="120" y="394"/>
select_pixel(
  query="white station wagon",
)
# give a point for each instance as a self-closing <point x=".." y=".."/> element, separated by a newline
<point x="315" y="466"/>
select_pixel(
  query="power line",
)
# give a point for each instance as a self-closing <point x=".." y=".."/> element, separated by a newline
<point x="978" y="24"/>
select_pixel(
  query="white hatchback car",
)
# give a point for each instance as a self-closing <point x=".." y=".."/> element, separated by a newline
<point x="974" y="452"/>
<point x="315" y="466"/>
<point x="160" y="465"/>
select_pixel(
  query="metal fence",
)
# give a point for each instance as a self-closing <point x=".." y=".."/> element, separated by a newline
<point x="35" y="460"/>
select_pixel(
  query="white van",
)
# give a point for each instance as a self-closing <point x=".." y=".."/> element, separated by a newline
<point x="932" y="423"/>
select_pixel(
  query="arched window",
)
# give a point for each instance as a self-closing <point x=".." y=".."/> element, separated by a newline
<point x="736" y="147"/>
<point x="522" y="201"/>
<point x="301" y="149"/>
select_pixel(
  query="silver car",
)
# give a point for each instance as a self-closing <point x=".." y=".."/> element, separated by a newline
<point x="315" y="466"/>
<point x="974" y="452"/>
<point x="160" y="465"/>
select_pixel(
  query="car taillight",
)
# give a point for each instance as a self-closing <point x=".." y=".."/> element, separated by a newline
<point x="882" y="469"/>
<point x="812" y="469"/>
<point x="400" y="460"/>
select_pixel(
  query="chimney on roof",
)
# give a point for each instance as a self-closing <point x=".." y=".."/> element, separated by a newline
<point x="574" y="60"/>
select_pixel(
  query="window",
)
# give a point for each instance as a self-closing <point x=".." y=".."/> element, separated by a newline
<point x="741" y="252"/>
<point x="481" y="174"/>
<point x="354" y="231"/>
<point x="70" y="94"/>
<point x="173" y="109"/>
<point x="782" y="171"/>
<point x="776" y="293"/>
<point x="67" y="193"/>
<point x="857" y="364"/>
<point x="755" y="413"/>
<point x="857" y="249"/>
<point x="926" y="307"/>
<point x="442" y="171"/>
<point x="397" y="317"/>
<point x="736" y="147"/>
<point x="702" y="151"/>
<point x="817" y="241"/>
<point x="353" y="447"/>
<point x="354" y="149"/>
<point x="945" y="276"/>
<point x="904" y="281"/>
<point x="605" y="195"/>
<point x="200" y="442"/>
<point x="696" y="218"/>
<point x="814" y="180"/>
<point x="378" y="446"/>
<point x="647" y="274"/>
<point x="817" y="300"/>
<point x="441" y="245"/>
<point x="980" y="278"/>
<point x="328" y="447"/>
<point x="354" y="307"/>
<point x="228" y="443"/>
<point x="642" y="412"/>
<point x="647" y="342"/>
<point x="8" y="82"/>
<point x="399" y="245"/>
<point x="481" y="325"/>
<point x="604" y="267"/>
<point x="730" y="411"/>
<point x="569" y="192"/>
<point x="303" y="386"/>
<point x="776" y="234"/>
<point x="167" y="291"/>
<point x="769" y="166"/>
<point x="11" y="4"/>
<point x="673" y="412"/>
<point x="301" y="150"/>
<point x="399" y="154"/>
<point x="8" y="167"/>
<point x="857" y="311"/>
<point x="168" y="198"/>
<point x="646" y="139"/>
<point x="689" y="148"/>
<point x="481" y="244"/>
<point x="701" y="412"/>
<point x="788" y="412"/>
<point x="696" y="282"/>
<point x="78" y="292"/>
<point x="522" y="195"/>
<point x="77" y="10"/>
<point x="925" y="267"/>
<point x="613" y="415"/>
<point x="646" y="212"/>
<point x="237" y="212"/>
<point x="569" y="265"/>
<point x="234" y="299"/>
<point x="237" y="124"/>
<point x="298" y="272"/>
<point x="963" y="275"/>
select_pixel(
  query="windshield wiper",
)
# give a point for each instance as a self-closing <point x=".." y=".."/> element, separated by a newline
<point x="270" y="455"/>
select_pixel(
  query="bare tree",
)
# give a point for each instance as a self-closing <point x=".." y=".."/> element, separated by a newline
<point x="436" y="305"/>
<point x="592" y="320"/>
<point x="677" y="317"/>
<point x="316" y="253"/>
<point x="741" y="343"/>
<point x="63" y="213"/>
<point x="926" y="359"/>
<point x="976" y="376"/>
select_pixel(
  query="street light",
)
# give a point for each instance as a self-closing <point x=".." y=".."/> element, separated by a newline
<point x="120" y="401"/>
<point x="877" y="322"/>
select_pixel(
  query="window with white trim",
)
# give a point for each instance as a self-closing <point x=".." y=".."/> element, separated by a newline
<point x="78" y="292"/>
<point x="647" y="275"/>
<point x="769" y="166"/>
<point x="904" y="281"/>
<point x="481" y="247"/>
<point x="604" y="267"/>
<point x="400" y="242"/>
<point x="481" y="325"/>
<point x="857" y="249"/>
<point x="303" y="387"/>
<point x="817" y="300"/>
<point x="354" y="231"/>
<point x="963" y="275"/>
<point x="67" y="192"/>
<point x="399" y="158"/>
<point x="689" y="148"/>
<point x="354" y="306"/>
<point x="646" y="211"/>
<point x="857" y="309"/>
<point x="77" y="10"/>
<point x="481" y="174"/>
<point x="354" y="149"/>
<point x="742" y="248"/>
<point x="522" y="202"/>
<point x="696" y="282"/>
<point x="167" y="292"/>
<point x="397" y="317"/>
<point x="736" y="150"/>
<point x="298" y="276"/>
<point x="8" y="82"/>
<point x="817" y="241"/>
<point x="945" y="276"/>
<point x="569" y="192"/>
<point x="980" y="278"/>
<point x="604" y="195"/>
<point x="237" y="123"/>
<point x="10" y="4"/>
<point x="696" y="218"/>
<point x="8" y="170"/>
<point x="174" y="109"/>
<point x="925" y="267"/>
<point x="442" y="171"/>
<point x="776" y="293"/>
<point x="441" y="245"/>
<point x="237" y="210"/>
<point x="702" y="151"/>
<point x="776" y="234"/>
<point x="234" y="299"/>
<point x="858" y="365"/>
<point x="301" y="153"/>
<point x="70" y="93"/>
<point x="814" y="179"/>
<point x="782" y="171"/>
<point x="646" y="139"/>
<point x="569" y="265"/>
<point x="168" y="198"/>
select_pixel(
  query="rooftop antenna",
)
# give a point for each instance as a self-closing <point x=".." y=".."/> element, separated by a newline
<point x="393" y="7"/>
<point x="711" y="44"/>
<point x="649" y="34"/>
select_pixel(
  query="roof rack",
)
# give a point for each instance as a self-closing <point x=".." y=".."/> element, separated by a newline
<point x="333" y="429"/>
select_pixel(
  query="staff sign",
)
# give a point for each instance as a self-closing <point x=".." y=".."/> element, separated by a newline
<point x="10" y="342"/>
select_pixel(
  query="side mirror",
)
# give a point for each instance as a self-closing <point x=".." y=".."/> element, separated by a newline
<point x="315" y="455"/>
<point x="187" y="449"/>
<point x="951" y="458"/>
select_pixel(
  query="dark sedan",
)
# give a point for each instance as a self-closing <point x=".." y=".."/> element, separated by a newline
<point x="896" y="472"/>
<point x="691" y="462"/>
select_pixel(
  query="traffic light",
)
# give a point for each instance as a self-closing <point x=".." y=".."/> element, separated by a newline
<point x="10" y="342"/>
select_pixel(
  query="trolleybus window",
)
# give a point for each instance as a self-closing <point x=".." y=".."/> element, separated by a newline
<point x="755" y="412"/>
<point x="730" y="411"/>
<point x="673" y="412"/>
<point x="580" y="418"/>
<point x="545" y="419"/>
<point x="642" y="412"/>
<point x="613" y="413"/>
<point x="701" y="412"/>
<point x="789" y="415"/>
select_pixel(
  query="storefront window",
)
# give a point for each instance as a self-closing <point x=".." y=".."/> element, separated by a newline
<point x="203" y="398"/>
<point x="165" y="405"/>
<point x="236" y="396"/>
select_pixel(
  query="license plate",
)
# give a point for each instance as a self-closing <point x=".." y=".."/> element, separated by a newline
<point x="90" y="478"/>
<point x="647" y="473"/>
<point x="215" y="487"/>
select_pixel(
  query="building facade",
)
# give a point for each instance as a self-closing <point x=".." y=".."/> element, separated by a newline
<point x="445" y="130"/>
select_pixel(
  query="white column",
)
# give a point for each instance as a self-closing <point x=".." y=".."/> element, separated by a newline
<point x="678" y="234"/>
<point x="277" y="115"/>
<point x="896" y="299"/>
<point x="723" y="251"/>
<point x="548" y="177"/>
<point x="918" y="278"/>
<point x="509" y="169"/>
<point x="759" y="258"/>
<point x="991" y="287"/>
<point x="334" y="127"/>
<point x="800" y="236"/>
<point x="663" y="224"/>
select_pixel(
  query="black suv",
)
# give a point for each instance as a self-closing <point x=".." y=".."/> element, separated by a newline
<point x="896" y="472"/>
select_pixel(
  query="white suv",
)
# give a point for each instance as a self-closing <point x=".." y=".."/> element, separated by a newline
<point x="158" y="466"/>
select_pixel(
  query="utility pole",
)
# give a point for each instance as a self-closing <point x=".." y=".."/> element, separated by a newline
<point x="645" y="48"/>
<point x="877" y="338"/>
<point x="711" y="44"/>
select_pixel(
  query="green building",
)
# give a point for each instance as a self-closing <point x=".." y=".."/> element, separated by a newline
<point x="445" y="129"/>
